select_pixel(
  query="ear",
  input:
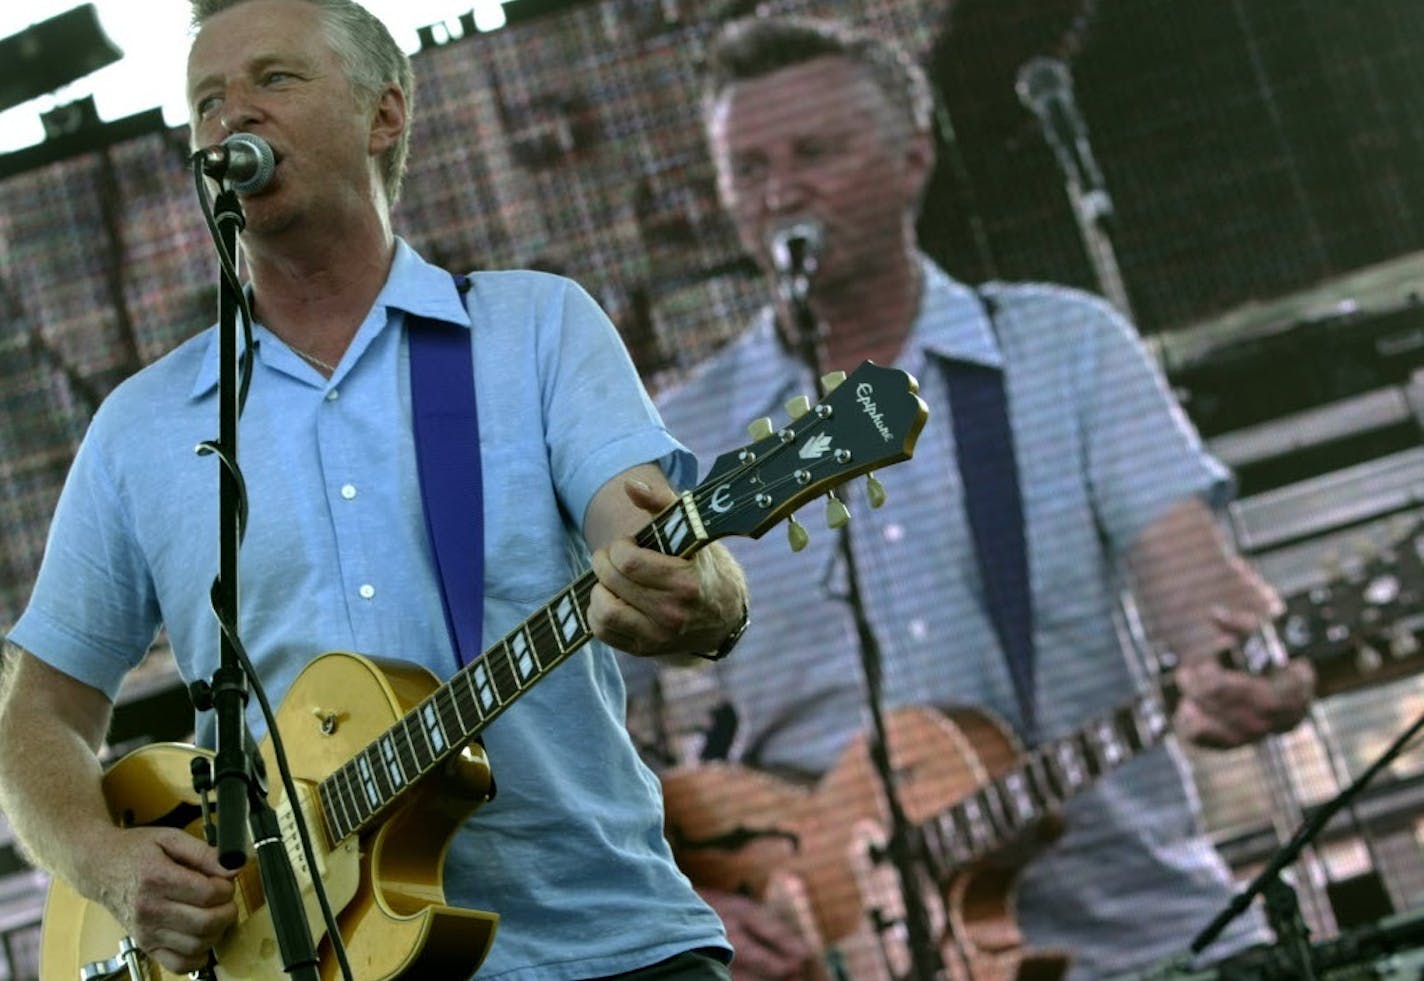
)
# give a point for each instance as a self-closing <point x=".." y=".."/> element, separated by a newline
<point x="388" y="121"/>
<point x="919" y="163"/>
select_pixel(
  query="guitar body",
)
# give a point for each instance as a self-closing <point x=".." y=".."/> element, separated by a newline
<point x="385" y="886"/>
<point x="739" y="830"/>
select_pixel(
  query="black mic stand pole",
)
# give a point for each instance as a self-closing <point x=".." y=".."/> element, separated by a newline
<point x="1281" y="905"/>
<point x="927" y="963"/>
<point x="236" y="768"/>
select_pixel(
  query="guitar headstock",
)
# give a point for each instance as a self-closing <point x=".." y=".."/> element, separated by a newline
<point x="869" y="421"/>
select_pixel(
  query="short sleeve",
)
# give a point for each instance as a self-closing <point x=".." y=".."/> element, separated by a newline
<point x="600" y="421"/>
<point x="93" y="613"/>
<point x="1143" y="454"/>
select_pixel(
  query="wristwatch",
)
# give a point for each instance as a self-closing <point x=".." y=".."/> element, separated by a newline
<point x="725" y="648"/>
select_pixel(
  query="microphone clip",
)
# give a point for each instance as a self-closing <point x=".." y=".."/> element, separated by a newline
<point x="795" y="255"/>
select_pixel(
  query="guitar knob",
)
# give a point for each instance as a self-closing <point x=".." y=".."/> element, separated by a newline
<point x="796" y="534"/>
<point x="874" y="490"/>
<point x="831" y="381"/>
<point x="837" y="514"/>
<point x="760" y="428"/>
<point x="798" y="407"/>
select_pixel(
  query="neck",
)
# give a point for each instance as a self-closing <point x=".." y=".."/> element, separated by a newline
<point x="869" y="317"/>
<point x="315" y="295"/>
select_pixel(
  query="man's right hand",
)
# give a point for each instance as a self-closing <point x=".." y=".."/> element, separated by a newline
<point x="168" y="892"/>
<point x="766" y="947"/>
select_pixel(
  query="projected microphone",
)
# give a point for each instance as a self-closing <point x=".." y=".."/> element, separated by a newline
<point x="1045" y="86"/>
<point x="244" y="160"/>
<point x="795" y="248"/>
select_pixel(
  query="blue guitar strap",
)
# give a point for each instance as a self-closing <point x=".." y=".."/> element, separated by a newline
<point x="993" y="504"/>
<point x="447" y="452"/>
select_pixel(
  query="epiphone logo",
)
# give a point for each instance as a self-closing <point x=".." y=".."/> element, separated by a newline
<point x="865" y="395"/>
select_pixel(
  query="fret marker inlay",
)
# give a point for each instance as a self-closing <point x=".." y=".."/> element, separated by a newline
<point x="368" y="781"/>
<point x="566" y="613"/>
<point x="483" y="686"/>
<point x="432" y="728"/>
<point x="523" y="656"/>
<point x="675" y="531"/>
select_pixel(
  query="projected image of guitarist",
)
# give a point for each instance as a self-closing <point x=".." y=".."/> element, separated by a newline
<point x="569" y="856"/>
<point x="1055" y="467"/>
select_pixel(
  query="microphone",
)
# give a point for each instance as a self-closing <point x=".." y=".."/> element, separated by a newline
<point x="795" y="247"/>
<point x="244" y="160"/>
<point x="1045" y="86"/>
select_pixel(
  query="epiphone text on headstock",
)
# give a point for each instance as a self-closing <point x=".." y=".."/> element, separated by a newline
<point x="865" y="395"/>
<point x="722" y="499"/>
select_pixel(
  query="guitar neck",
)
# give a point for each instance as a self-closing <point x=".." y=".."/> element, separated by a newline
<point x="1002" y="809"/>
<point x="458" y="711"/>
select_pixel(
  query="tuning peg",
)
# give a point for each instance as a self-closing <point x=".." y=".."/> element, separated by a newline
<point x="796" y="534"/>
<point x="837" y="514"/>
<point x="831" y="380"/>
<point x="874" y="490"/>
<point x="798" y="407"/>
<point x="760" y="428"/>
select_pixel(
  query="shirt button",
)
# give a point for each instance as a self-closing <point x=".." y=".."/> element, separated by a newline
<point x="917" y="628"/>
<point x="894" y="532"/>
<point x="367" y="591"/>
<point x="348" y="491"/>
<point x="333" y="395"/>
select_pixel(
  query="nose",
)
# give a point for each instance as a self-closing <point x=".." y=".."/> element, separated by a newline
<point x="238" y="112"/>
<point x="235" y="122"/>
<point x="784" y="191"/>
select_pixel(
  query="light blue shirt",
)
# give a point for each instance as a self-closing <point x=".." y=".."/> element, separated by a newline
<point x="1102" y="451"/>
<point x="570" y="853"/>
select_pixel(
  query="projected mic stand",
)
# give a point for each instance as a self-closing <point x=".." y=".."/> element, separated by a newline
<point x="236" y="771"/>
<point x="926" y="962"/>
<point x="1045" y="86"/>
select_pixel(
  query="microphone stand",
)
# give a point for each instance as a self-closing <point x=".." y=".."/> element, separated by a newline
<point x="927" y="963"/>
<point x="1282" y="907"/>
<point x="1045" y="85"/>
<point x="236" y="771"/>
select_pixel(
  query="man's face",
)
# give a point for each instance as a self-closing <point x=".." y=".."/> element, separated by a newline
<point x="817" y="140"/>
<point x="266" y="67"/>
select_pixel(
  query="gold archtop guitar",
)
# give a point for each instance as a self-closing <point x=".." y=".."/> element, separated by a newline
<point x="382" y="753"/>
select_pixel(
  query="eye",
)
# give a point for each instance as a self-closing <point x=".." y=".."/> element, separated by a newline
<point x="205" y="106"/>
<point x="745" y="170"/>
<point x="814" y="149"/>
<point x="274" y="77"/>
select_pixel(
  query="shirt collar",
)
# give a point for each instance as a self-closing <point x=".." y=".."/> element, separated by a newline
<point x="413" y="287"/>
<point x="952" y="324"/>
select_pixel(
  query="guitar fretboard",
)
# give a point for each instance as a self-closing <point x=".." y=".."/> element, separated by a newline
<point x="459" y="710"/>
<point x="1003" y="808"/>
